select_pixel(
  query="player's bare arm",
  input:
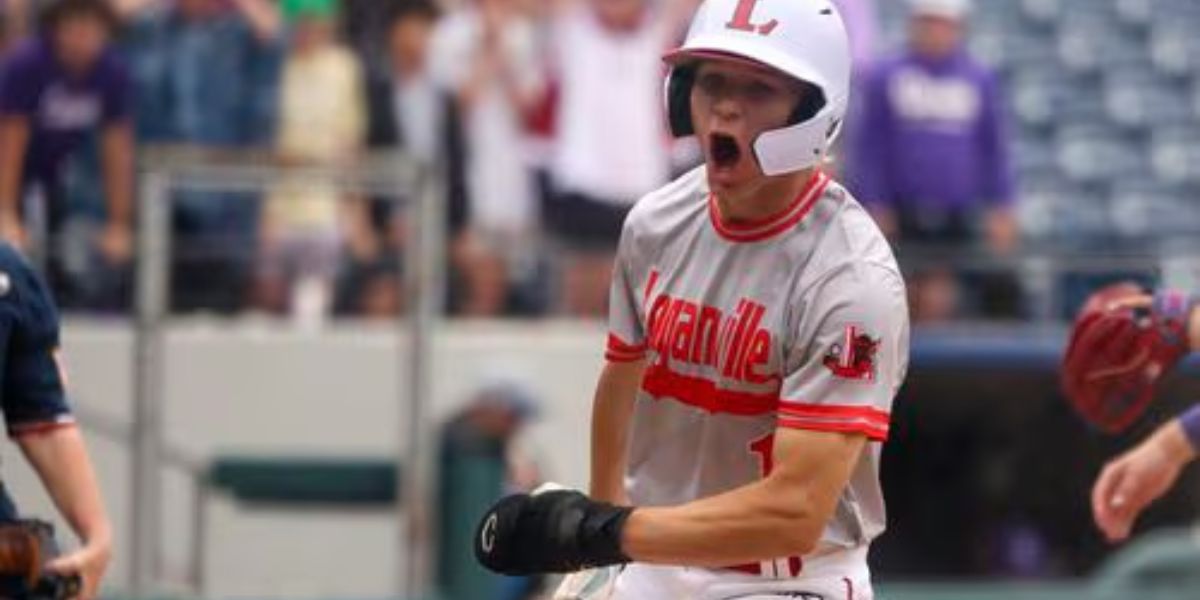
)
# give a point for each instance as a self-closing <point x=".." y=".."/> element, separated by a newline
<point x="1134" y="480"/>
<point x="60" y="459"/>
<point x="14" y="139"/>
<point x="612" y="409"/>
<point x="781" y="515"/>
<point x="116" y="241"/>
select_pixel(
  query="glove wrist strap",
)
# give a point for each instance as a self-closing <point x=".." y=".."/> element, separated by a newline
<point x="1175" y="308"/>
<point x="1190" y="422"/>
<point x="600" y="535"/>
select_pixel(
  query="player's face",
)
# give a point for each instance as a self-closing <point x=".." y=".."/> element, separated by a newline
<point x="732" y="104"/>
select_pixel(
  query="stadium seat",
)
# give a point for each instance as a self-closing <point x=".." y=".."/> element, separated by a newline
<point x="1150" y="211"/>
<point x="1095" y="153"/>
<point x="1141" y="98"/>
<point x="1040" y="94"/>
<point x="1174" y="48"/>
<point x="1043" y="12"/>
<point x="1175" y="154"/>
<point x="1196" y="99"/>
<point x="1053" y="209"/>
<point x="1086" y="44"/>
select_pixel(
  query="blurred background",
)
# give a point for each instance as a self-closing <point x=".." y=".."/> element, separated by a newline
<point x="334" y="271"/>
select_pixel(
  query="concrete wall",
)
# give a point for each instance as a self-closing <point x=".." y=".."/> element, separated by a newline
<point x="264" y="389"/>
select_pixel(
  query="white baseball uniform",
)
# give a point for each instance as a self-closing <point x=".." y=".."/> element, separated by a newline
<point x="798" y="321"/>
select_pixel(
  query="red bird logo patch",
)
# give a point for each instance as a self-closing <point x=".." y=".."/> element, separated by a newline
<point x="854" y="356"/>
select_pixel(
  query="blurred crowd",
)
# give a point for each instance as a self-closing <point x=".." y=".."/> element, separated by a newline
<point x="544" y="116"/>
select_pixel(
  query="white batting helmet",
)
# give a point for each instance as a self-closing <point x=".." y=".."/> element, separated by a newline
<point x="804" y="39"/>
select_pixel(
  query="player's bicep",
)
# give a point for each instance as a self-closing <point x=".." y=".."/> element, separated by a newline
<point x="814" y="467"/>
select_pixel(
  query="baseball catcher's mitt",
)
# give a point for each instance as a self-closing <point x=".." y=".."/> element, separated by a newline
<point x="25" y="548"/>
<point x="1118" y="351"/>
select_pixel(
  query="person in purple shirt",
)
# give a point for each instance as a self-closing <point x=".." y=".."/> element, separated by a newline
<point x="930" y="154"/>
<point x="57" y="89"/>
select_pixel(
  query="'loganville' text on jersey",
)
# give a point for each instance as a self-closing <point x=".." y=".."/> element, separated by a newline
<point x="797" y="321"/>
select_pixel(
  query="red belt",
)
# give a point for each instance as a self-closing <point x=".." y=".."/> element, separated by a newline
<point x="794" y="566"/>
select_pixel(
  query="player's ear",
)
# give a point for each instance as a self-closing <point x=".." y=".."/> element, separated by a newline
<point x="811" y="101"/>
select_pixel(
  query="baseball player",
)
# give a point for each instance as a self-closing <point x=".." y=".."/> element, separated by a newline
<point x="1123" y="341"/>
<point x="758" y="333"/>
<point x="39" y="420"/>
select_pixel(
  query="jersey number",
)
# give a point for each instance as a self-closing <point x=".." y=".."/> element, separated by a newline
<point x="741" y="19"/>
<point x="764" y="447"/>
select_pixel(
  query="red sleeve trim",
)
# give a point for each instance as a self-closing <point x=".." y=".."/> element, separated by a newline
<point x="622" y="351"/>
<point x="40" y="428"/>
<point x="873" y="432"/>
<point x="834" y="417"/>
<point x="833" y="411"/>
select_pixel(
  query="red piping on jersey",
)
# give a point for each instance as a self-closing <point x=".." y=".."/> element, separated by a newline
<point x="40" y="428"/>
<point x="873" y="432"/>
<point x="754" y="231"/>
<point x="801" y="409"/>
<point x="825" y="417"/>
<point x="660" y="381"/>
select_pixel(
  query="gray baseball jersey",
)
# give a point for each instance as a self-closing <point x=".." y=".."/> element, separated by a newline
<point x="799" y="321"/>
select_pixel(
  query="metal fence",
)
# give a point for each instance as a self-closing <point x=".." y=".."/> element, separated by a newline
<point x="166" y="170"/>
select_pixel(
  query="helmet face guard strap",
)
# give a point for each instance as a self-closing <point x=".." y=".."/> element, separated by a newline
<point x="797" y="147"/>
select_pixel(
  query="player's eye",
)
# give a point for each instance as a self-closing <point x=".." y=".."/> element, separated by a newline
<point x="712" y="84"/>
<point x="759" y="91"/>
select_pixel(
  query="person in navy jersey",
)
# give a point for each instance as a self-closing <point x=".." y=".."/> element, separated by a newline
<point x="39" y="420"/>
<point x="57" y="89"/>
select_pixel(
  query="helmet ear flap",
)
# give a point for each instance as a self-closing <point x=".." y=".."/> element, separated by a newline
<point x="679" y="100"/>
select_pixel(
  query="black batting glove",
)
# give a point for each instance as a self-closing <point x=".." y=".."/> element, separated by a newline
<point x="560" y="531"/>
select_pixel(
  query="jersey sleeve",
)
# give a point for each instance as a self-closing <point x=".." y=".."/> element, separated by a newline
<point x="118" y="92"/>
<point x="33" y="387"/>
<point x="626" y="329"/>
<point x="19" y="88"/>
<point x="849" y="355"/>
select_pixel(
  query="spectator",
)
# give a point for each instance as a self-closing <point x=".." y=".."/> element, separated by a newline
<point x="485" y="53"/>
<point x="408" y="111"/>
<point x="862" y="26"/>
<point x="13" y="22"/>
<point x="931" y="156"/>
<point x="206" y="73"/>
<point x="611" y="142"/>
<point x="322" y="121"/>
<point x="479" y="460"/>
<point x="57" y="89"/>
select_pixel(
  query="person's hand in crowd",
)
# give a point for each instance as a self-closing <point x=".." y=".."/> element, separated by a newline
<point x="89" y="563"/>
<point x="1002" y="231"/>
<point x="12" y="231"/>
<point x="264" y="17"/>
<point x="885" y="219"/>
<point x="116" y="243"/>
<point x="1130" y="483"/>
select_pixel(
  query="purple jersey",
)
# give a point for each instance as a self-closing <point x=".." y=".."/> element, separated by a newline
<point x="62" y="108"/>
<point x="931" y="136"/>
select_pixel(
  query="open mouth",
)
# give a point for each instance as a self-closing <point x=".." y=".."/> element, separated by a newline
<point x="724" y="149"/>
